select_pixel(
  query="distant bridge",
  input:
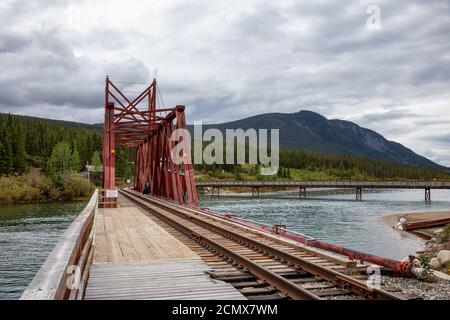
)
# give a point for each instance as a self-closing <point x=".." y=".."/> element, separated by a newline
<point x="302" y="185"/>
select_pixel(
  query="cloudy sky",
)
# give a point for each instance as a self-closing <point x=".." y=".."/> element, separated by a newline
<point x="230" y="59"/>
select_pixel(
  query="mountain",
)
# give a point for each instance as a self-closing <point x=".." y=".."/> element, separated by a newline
<point x="311" y="131"/>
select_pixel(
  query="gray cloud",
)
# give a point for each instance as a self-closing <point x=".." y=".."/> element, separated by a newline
<point x="443" y="139"/>
<point x="227" y="60"/>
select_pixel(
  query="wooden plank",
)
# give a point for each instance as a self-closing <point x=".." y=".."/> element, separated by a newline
<point x="100" y="245"/>
<point x="177" y="279"/>
<point x="128" y="234"/>
<point x="113" y="246"/>
<point x="85" y="276"/>
<point x="132" y="230"/>
<point x="126" y="244"/>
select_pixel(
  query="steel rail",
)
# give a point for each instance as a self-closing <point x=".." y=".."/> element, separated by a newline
<point x="343" y="281"/>
<point x="284" y="285"/>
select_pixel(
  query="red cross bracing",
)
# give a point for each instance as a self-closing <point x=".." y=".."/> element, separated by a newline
<point x="139" y="123"/>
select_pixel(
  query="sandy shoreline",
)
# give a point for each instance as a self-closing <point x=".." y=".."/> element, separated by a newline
<point x="392" y="219"/>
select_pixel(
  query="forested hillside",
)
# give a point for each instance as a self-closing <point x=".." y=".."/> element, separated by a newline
<point x="348" y="167"/>
<point x="28" y="142"/>
<point x="306" y="165"/>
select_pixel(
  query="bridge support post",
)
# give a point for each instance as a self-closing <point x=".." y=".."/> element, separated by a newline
<point x="109" y="174"/>
<point x="255" y="191"/>
<point x="359" y="194"/>
<point x="187" y="168"/>
<point x="302" y="192"/>
<point x="427" y="194"/>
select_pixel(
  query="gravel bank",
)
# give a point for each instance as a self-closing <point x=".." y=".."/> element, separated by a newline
<point x="439" y="290"/>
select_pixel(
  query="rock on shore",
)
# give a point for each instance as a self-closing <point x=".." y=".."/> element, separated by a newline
<point x="444" y="258"/>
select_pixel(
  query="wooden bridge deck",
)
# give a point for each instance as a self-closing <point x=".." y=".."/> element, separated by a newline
<point x="174" y="279"/>
<point x="125" y="234"/>
<point x="134" y="258"/>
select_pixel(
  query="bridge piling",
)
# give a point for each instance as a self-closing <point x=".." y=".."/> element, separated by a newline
<point x="255" y="191"/>
<point x="213" y="191"/>
<point x="427" y="195"/>
<point x="302" y="192"/>
<point x="358" y="194"/>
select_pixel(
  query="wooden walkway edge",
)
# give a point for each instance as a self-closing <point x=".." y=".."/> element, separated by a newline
<point x="50" y="283"/>
<point x="162" y="280"/>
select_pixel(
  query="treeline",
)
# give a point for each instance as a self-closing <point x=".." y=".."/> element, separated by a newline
<point x="346" y="167"/>
<point x="331" y="166"/>
<point x="28" y="142"/>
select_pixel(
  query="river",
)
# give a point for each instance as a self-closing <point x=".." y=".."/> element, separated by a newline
<point x="29" y="232"/>
<point x="27" y="235"/>
<point x="335" y="216"/>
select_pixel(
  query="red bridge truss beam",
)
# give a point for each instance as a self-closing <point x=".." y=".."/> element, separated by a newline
<point x="140" y="124"/>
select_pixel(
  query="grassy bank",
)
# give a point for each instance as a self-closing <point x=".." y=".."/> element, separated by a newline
<point x="34" y="187"/>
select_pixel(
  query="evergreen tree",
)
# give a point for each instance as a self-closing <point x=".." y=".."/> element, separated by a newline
<point x="280" y="173"/>
<point x="60" y="160"/>
<point x="19" y="153"/>
<point x="96" y="162"/>
<point x="2" y="158"/>
<point x="75" y="160"/>
<point x="237" y="173"/>
<point x="6" y="153"/>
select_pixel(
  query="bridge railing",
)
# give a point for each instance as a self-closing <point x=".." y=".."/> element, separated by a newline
<point x="64" y="273"/>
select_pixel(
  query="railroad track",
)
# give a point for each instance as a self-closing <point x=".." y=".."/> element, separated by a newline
<point x="258" y="265"/>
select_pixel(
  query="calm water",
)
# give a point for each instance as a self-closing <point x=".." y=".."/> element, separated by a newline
<point x="334" y="216"/>
<point x="27" y="235"/>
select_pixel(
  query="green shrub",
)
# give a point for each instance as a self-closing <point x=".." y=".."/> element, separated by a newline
<point x="34" y="187"/>
<point x="74" y="186"/>
<point x="445" y="235"/>
<point x="424" y="261"/>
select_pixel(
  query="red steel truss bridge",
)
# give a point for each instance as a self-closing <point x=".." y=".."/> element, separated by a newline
<point x="139" y="123"/>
